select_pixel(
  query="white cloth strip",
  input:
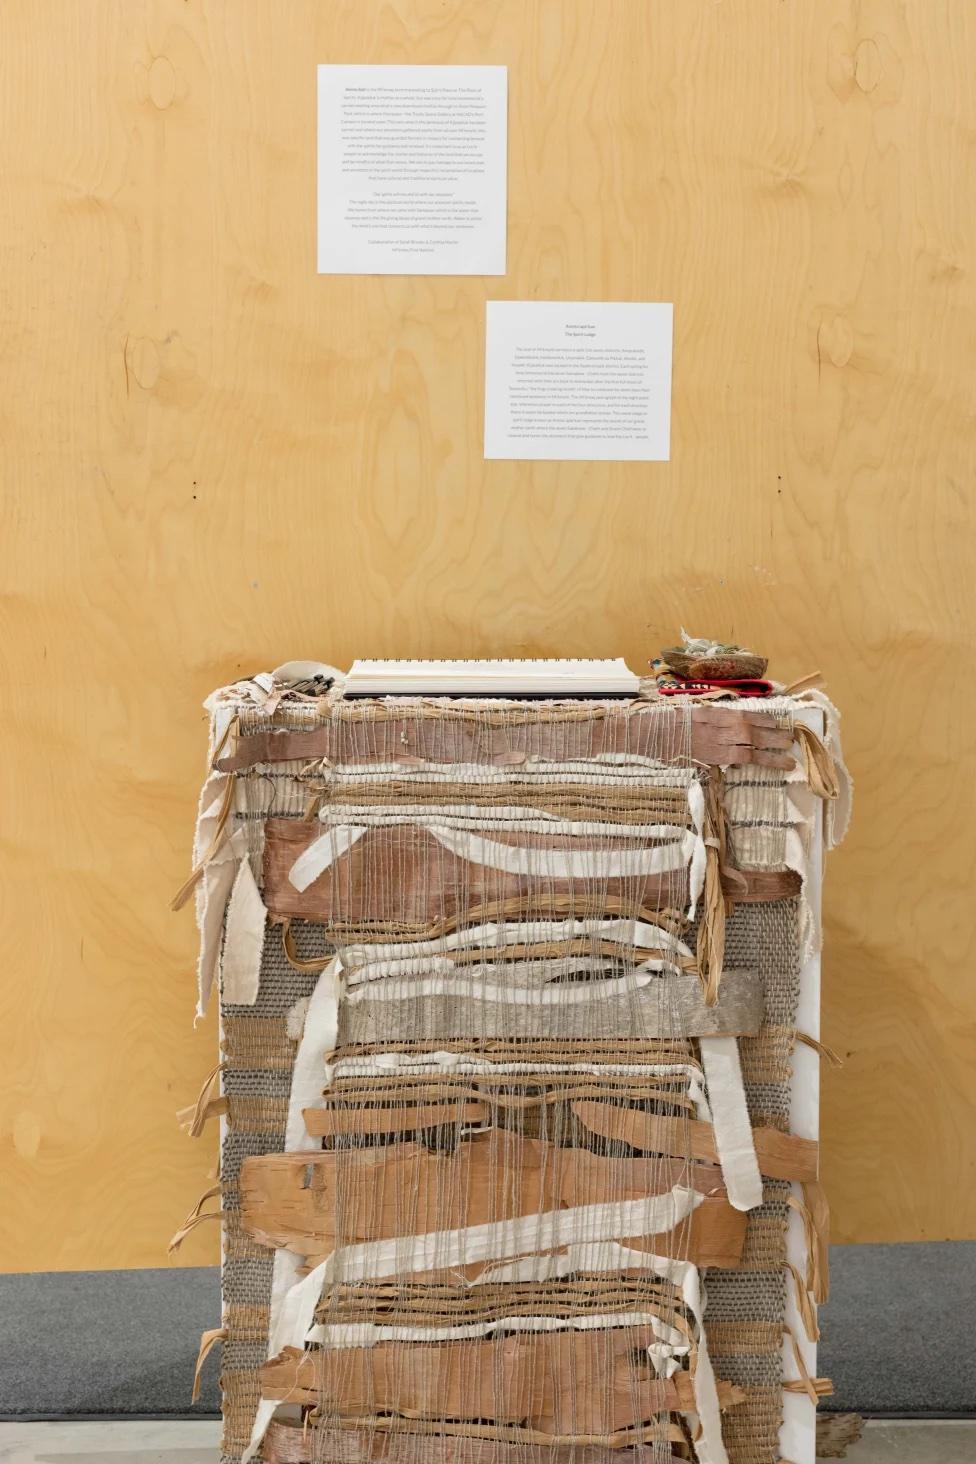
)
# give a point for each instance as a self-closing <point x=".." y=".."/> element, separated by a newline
<point x="548" y="1230"/>
<point x="370" y="1334"/>
<point x="319" y="1037"/>
<point x="439" y="1062"/>
<point x="511" y="858"/>
<point x="504" y="933"/>
<point x="614" y="767"/>
<point x="730" y="1118"/>
<point x="208" y="807"/>
<point x="574" y="994"/>
<point x="474" y="818"/>
<point x="696" y="874"/>
<point x="497" y="1240"/>
<point x="535" y="972"/>
<point x="321" y="853"/>
<point x="567" y="863"/>
<point x="386" y="1062"/>
<point x="212" y="893"/>
<point x="240" y="967"/>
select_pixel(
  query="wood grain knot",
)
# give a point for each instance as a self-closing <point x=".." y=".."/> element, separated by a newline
<point x="835" y="340"/>
<point x="162" y="83"/>
<point x="867" y="65"/>
<point x="143" y="361"/>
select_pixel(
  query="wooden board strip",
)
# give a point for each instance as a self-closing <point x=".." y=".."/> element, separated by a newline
<point x="720" y="736"/>
<point x="780" y="1156"/>
<point x="671" y="1004"/>
<point x="313" y="1203"/>
<point x="566" y="1382"/>
<point x="761" y="886"/>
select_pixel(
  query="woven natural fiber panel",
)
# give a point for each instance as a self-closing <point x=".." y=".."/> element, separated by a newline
<point x="258" y="1057"/>
<point x="397" y="883"/>
<point x="746" y="1307"/>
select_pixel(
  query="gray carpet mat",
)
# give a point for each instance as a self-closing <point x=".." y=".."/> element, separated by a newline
<point x="96" y="1344"/>
<point x="896" y="1334"/>
<point x="99" y="1344"/>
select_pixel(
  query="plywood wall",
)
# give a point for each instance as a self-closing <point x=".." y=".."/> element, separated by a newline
<point x="214" y="460"/>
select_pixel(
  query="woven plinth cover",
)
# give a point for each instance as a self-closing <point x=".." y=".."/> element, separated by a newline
<point x="508" y="1001"/>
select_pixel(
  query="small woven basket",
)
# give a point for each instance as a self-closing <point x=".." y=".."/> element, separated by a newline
<point x="721" y="666"/>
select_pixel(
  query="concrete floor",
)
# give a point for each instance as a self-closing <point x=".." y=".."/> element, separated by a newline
<point x="884" y="1442"/>
<point x="121" y="1442"/>
<point x="942" y="1441"/>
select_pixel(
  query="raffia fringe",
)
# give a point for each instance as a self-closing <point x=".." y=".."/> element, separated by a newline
<point x="824" y="1387"/>
<point x="208" y="1104"/>
<point x="810" y="682"/>
<point x="315" y="965"/>
<point x="806" y="1383"/>
<point x="208" y="1341"/>
<point x="821" y="774"/>
<point x="820" y="1048"/>
<point x="817" y="1208"/>
<point x="196" y="1217"/>
<point x="808" y="1314"/>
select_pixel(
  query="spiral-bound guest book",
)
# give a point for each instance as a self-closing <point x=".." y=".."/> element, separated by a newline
<point x="517" y="678"/>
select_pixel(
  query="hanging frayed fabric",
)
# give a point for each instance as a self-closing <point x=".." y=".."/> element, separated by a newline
<point x="213" y="892"/>
<point x="209" y="1103"/>
<point x="244" y="929"/>
<point x="711" y="936"/>
<point x="730" y="1117"/>
<point x="213" y="828"/>
<point x="837" y="811"/>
